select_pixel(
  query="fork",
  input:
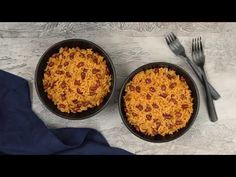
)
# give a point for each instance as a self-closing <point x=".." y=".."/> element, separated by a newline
<point x="199" y="58"/>
<point x="178" y="49"/>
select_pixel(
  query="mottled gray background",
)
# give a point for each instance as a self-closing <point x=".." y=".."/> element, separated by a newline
<point x="131" y="45"/>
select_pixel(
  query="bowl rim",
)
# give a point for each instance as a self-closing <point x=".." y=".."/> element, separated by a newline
<point x="113" y="86"/>
<point x="142" y="68"/>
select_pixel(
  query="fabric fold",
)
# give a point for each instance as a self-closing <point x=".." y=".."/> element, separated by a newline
<point x="22" y="132"/>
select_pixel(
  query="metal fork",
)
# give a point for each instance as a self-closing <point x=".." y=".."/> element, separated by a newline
<point x="199" y="58"/>
<point x="178" y="50"/>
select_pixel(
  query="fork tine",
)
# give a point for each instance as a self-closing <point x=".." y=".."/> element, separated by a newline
<point x="167" y="40"/>
<point x="192" y="44"/>
<point x="197" y="45"/>
<point x="200" y="46"/>
<point x="173" y="35"/>
<point x="170" y="43"/>
<point x="170" y="38"/>
<point x="200" y="43"/>
<point x="167" y="37"/>
<point x="174" y="44"/>
<point x="193" y="50"/>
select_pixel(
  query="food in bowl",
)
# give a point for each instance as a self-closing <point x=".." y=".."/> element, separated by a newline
<point x="76" y="79"/>
<point x="158" y="102"/>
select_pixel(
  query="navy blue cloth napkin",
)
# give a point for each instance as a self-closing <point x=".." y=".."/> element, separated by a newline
<point x="22" y="132"/>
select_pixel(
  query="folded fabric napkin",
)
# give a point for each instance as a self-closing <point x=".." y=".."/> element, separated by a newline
<point x="22" y="132"/>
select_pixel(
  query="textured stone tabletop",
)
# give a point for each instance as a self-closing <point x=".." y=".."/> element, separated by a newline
<point x="131" y="45"/>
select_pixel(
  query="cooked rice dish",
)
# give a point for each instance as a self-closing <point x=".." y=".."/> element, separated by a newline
<point x="76" y="79"/>
<point x="158" y="102"/>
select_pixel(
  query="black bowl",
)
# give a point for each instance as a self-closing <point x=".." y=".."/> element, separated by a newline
<point x="194" y="94"/>
<point x="83" y="44"/>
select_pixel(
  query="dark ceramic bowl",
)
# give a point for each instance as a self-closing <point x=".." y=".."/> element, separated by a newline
<point x="83" y="44"/>
<point x="194" y="94"/>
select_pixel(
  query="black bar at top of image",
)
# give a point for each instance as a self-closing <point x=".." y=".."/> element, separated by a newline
<point x="116" y="11"/>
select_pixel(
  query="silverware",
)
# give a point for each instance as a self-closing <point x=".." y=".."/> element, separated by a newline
<point x="177" y="48"/>
<point x="199" y="58"/>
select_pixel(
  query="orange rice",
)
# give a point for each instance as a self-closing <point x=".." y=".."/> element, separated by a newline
<point x="76" y="79"/>
<point x="158" y="101"/>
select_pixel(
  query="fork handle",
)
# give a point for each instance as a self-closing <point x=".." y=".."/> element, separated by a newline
<point x="210" y="103"/>
<point x="215" y="95"/>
